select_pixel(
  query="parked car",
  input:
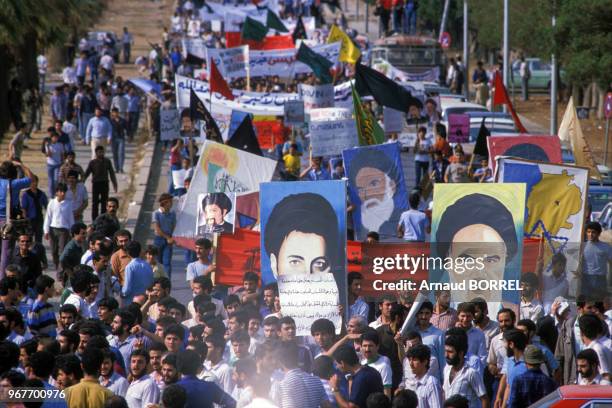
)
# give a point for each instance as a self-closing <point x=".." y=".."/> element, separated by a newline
<point x="541" y="74"/>
<point x="577" y="396"/>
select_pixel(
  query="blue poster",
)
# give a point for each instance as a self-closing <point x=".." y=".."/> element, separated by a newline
<point x="235" y="121"/>
<point x="376" y="188"/>
<point x="303" y="236"/>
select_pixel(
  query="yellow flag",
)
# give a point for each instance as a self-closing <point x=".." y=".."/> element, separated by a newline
<point x="570" y="132"/>
<point x="348" y="51"/>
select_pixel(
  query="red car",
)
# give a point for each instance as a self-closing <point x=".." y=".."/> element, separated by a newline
<point x="577" y="396"/>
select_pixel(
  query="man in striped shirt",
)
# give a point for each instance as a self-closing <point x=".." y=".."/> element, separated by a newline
<point x="41" y="318"/>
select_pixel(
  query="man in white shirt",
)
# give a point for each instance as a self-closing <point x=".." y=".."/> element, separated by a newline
<point x="215" y="363"/>
<point x="58" y="220"/>
<point x="426" y="386"/>
<point x="587" y="364"/>
<point x="142" y="390"/>
<point x="109" y="378"/>
<point x="81" y="283"/>
<point x="370" y="341"/>
<point x="592" y="337"/>
<point x="531" y="308"/>
<point x="458" y="377"/>
<point x="43" y="65"/>
<point x="107" y="62"/>
<point x="126" y="41"/>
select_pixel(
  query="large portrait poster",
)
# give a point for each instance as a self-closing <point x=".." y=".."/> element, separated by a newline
<point x="377" y="189"/>
<point x="216" y="213"/>
<point x="477" y="232"/>
<point x="303" y="248"/>
<point x="541" y="148"/>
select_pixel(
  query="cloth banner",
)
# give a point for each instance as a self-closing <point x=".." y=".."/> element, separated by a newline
<point x="232" y="62"/>
<point x="393" y="120"/>
<point x="277" y="42"/>
<point x="432" y="74"/>
<point x="270" y="131"/>
<point x="331" y="131"/>
<point x="545" y="149"/>
<point x="221" y="168"/>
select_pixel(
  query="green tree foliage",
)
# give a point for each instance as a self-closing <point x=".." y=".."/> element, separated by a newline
<point x="584" y="40"/>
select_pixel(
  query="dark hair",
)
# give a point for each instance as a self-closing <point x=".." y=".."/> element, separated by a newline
<point x="271" y="321"/>
<point x="9" y="355"/>
<point x="456" y="401"/>
<point x="42" y="363"/>
<point x="590" y="356"/>
<point x="204" y="242"/>
<point x="288" y="354"/>
<point x="286" y="320"/>
<point x="204" y="281"/>
<point x="414" y="199"/>
<point x="323" y="367"/>
<point x="466" y="307"/>
<point x="274" y="287"/>
<point x="476" y="209"/>
<point x="590" y="326"/>
<point x="250" y="277"/>
<point x="116" y="401"/>
<point x="528" y="323"/>
<point x="68" y="308"/>
<point x="188" y="362"/>
<point x="81" y="281"/>
<point x="133" y="249"/>
<point x="374" y="235"/>
<point x="174" y="396"/>
<point x="8" y="283"/>
<point x="593" y="225"/>
<point x="98" y="148"/>
<point x="14" y="377"/>
<point x="127" y="318"/>
<point x="421" y="352"/>
<point x="509" y="311"/>
<point x="323" y="326"/>
<point x="91" y="360"/>
<point x="353" y="276"/>
<point x="246" y="366"/>
<point x="49" y="344"/>
<point x="481" y="304"/>
<point x="108" y="302"/>
<point x="151" y="250"/>
<point x="426" y="305"/>
<point x="76" y="228"/>
<point x="230" y="300"/>
<point x="413" y="334"/>
<point x="517" y="337"/>
<point x="346" y="354"/>
<point x="307" y="213"/>
<point x="459" y="343"/>
<point x="71" y="335"/>
<point x="69" y="364"/>
<point x="141" y="353"/>
<point x="240" y="336"/>
<point x="405" y="399"/>
<point x="378" y="400"/>
<point x="221" y="200"/>
<point x="98" y="341"/>
<point x="61" y="187"/>
<point x="175" y="329"/>
<point x="370" y="335"/>
<point x="42" y="283"/>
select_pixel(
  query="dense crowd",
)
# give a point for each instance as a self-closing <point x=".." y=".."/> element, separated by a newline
<point x="118" y="338"/>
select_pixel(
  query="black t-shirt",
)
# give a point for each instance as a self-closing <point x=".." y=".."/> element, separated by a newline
<point x="367" y="381"/>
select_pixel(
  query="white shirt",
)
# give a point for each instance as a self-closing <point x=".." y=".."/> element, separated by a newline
<point x="116" y="383"/>
<point x="597" y="380"/>
<point x="59" y="215"/>
<point x="242" y="396"/>
<point x="497" y="351"/>
<point x="223" y="372"/>
<point x="77" y="198"/>
<point x="141" y="392"/>
<point x="383" y="366"/>
<point x="42" y="64"/>
<point x="467" y="382"/>
<point x="81" y="305"/>
<point x="428" y="391"/>
<point x="69" y="76"/>
<point x="409" y="380"/>
<point x="531" y="310"/>
<point x="604" y="353"/>
<point x="107" y="62"/>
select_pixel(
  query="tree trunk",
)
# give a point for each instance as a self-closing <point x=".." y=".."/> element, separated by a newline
<point x="27" y="54"/>
<point x="600" y="102"/>
<point x="586" y="96"/>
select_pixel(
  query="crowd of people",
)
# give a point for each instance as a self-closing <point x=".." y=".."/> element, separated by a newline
<point x="118" y="337"/>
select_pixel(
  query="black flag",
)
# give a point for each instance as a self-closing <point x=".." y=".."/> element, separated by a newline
<point x="385" y="91"/>
<point x="299" y="32"/>
<point x="244" y="137"/>
<point x="480" y="148"/>
<point x="194" y="60"/>
<point x="197" y="111"/>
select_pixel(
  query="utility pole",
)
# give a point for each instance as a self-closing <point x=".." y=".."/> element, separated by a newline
<point x="466" y="51"/>
<point x="506" y="67"/>
<point x="553" y="79"/>
<point x="444" y="19"/>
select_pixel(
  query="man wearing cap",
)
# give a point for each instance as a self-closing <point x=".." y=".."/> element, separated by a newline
<point x="533" y="384"/>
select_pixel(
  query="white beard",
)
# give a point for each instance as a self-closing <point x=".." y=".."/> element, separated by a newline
<point x="375" y="212"/>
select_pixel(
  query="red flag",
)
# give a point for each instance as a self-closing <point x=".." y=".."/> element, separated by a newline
<point x="217" y="83"/>
<point x="500" y="97"/>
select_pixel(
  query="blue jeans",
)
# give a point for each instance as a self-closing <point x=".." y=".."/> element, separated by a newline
<point x="165" y="254"/>
<point x="409" y="21"/>
<point x="420" y="168"/>
<point x="52" y="176"/>
<point x="118" y="146"/>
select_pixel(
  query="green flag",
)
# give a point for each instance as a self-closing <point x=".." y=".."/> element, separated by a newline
<point x="319" y="64"/>
<point x="253" y="30"/>
<point x="273" y="22"/>
<point x="369" y="131"/>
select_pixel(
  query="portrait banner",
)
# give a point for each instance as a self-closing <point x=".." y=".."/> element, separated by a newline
<point x="477" y="240"/>
<point x="224" y="169"/>
<point x="377" y="189"/>
<point x="216" y="214"/>
<point x="303" y="248"/>
<point x="169" y="124"/>
<point x="546" y="149"/>
<point x="458" y="128"/>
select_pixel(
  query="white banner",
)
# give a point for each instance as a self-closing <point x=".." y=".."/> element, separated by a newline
<point x="432" y="74"/>
<point x="283" y="63"/>
<point x="194" y="46"/>
<point x="316" y="96"/>
<point x="169" y="124"/>
<point x="232" y="62"/>
<point x="331" y="137"/>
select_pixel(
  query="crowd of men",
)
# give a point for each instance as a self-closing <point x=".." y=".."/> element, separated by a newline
<point x="118" y="338"/>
